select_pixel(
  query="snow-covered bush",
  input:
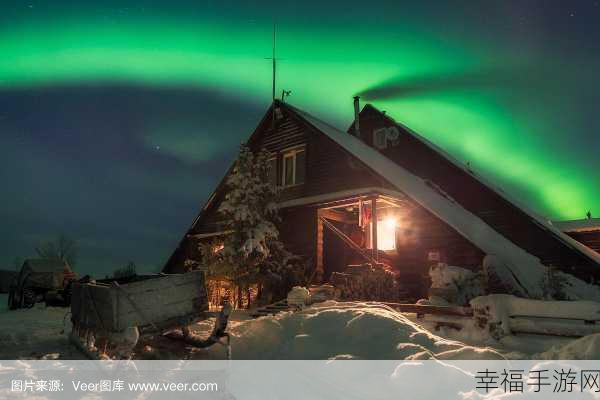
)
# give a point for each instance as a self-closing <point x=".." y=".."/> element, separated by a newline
<point x="553" y="285"/>
<point x="456" y="285"/>
<point x="500" y="278"/>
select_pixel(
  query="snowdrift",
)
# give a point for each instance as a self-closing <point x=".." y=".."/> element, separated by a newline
<point x="585" y="348"/>
<point x="35" y="333"/>
<point x="349" y="330"/>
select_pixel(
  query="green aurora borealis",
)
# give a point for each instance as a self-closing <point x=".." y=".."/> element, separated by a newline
<point x="526" y="134"/>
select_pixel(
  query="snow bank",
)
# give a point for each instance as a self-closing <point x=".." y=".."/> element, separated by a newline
<point x="333" y="330"/>
<point x="576" y="289"/>
<point x="585" y="348"/>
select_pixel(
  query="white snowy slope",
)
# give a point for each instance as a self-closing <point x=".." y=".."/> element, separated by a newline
<point x="349" y="330"/>
<point x="526" y="267"/>
<point x="373" y="331"/>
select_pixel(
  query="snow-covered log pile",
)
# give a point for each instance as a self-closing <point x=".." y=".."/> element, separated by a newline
<point x="505" y="314"/>
<point x="457" y="285"/>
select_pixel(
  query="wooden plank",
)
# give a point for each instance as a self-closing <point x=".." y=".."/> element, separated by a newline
<point x="339" y="216"/>
<point x="553" y="327"/>
<point x="375" y="253"/>
<point x="428" y="309"/>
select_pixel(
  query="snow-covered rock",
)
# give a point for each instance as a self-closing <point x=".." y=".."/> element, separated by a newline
<point x="321" y="293"/>
<point x="299" y="296"/>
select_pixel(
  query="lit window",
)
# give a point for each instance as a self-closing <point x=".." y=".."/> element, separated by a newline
<point x="386" y="234"/>
<point x="294" y="167"/>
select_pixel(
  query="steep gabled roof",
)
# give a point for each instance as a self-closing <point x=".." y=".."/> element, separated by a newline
<point x="548" y="225"/>
<point x="527" y="268"/>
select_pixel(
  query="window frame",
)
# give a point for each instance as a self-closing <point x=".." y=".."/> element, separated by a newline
<point x="275" y="170"/>
<point x="291" y="153"/>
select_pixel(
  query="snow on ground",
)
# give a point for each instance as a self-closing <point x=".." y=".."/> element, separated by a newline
<point x="329" y="330"/>
<point x="3" y="302"/>
<point x="35" y="333"/>
<point x="585" y="348"/>
<point x="345" y="330"/>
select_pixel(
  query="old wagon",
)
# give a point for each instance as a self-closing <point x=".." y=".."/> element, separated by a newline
<point x="41" y="280"/>
<point x="109" y="316"/>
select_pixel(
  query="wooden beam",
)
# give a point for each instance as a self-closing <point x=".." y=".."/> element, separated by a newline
<point x="339" y="216"/>
<point x="319" y="270"/>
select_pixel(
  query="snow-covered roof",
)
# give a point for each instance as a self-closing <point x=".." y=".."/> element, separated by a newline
<point x="525" y="266"/>
<point x="578" y="225"/>
<point x="539" y="219"/>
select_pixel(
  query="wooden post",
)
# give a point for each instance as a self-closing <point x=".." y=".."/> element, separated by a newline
<point x="374" y="229"/>
<point x="319" y="270"/>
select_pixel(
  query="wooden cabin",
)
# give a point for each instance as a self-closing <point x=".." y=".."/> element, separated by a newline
<point x="382" y="192"/>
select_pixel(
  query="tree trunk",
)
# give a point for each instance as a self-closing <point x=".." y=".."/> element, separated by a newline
<point x="239" y="296"/>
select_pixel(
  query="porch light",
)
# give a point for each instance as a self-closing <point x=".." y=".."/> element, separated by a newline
<point x="386" y="233"/>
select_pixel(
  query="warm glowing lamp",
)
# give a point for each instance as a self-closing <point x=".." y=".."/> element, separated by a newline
<point x="386" y="233"/>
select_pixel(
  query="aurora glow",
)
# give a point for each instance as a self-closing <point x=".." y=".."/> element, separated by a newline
<point x="442" y="72"/>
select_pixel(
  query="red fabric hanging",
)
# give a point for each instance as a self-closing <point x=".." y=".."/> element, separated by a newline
<point x="364" y="215"/>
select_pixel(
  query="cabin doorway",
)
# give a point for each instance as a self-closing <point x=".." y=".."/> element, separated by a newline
<point x="336" y="254"/>
<point x="358" y="230"/>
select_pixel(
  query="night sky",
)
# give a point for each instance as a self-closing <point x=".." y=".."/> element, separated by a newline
<point x="118" y="119"/>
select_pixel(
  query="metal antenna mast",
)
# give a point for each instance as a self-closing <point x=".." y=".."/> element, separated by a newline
<point x="274" y="64"/>
<point x="274" y="60"/>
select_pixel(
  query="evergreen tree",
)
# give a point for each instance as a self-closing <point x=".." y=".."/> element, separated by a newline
<point x="252" y="251"/>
